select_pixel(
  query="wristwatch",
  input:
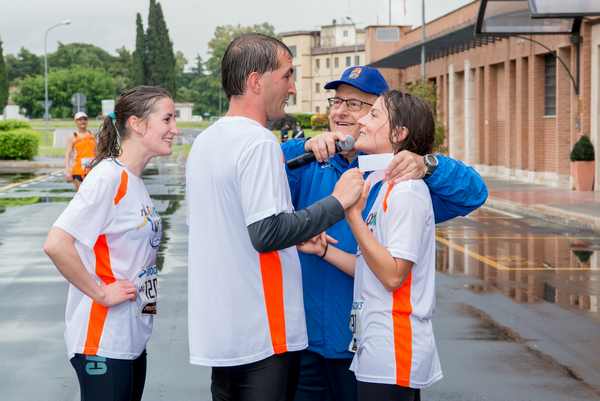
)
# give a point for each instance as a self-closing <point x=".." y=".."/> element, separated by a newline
<point x="431" y="163"/>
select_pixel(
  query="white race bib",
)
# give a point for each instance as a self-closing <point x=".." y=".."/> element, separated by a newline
<point x="147" y="286"/>
<point x="357" y="308"/>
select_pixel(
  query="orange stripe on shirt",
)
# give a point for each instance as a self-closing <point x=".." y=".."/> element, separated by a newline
<point x="385" y="198"/>
<point x="99" y="312"/>
<point x="401" y="311"/>
<point x="122" y="187"/>
<point x="272" y="278"/>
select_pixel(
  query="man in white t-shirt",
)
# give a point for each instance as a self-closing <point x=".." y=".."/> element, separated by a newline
<point x="246" y="313"/>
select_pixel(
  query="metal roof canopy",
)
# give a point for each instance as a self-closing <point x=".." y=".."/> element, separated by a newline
<point x="513" y="17"/>
<point x="563" y="8"/>
<point x="461" y="39"/>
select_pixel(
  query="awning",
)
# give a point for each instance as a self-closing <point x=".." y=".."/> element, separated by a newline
<point x="436" y="47"/>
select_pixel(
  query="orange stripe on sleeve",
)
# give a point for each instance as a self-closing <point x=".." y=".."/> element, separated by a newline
<point x="385" y="198"/>
<point x="401" y="311"/>
<point x="99" y="312"/>
<point x="272" y="278"/>
<point x="122" y="187"/>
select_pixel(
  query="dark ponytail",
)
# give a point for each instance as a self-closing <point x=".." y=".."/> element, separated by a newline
<point x="139" y="102"/>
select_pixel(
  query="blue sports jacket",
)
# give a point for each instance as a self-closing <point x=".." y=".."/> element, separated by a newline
<point x="456" y="190"/>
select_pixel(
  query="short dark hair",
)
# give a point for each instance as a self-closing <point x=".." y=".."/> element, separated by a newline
<point x="412" y="112"/>
<point x="248" y="53"/>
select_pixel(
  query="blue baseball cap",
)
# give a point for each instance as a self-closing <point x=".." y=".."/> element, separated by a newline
<point x="366" y="79"/>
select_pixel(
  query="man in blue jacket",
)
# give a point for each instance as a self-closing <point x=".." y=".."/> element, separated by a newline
<point x="456" y="189"/>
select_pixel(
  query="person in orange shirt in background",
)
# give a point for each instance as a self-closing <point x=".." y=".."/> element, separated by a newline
<point x="81" y="150"/>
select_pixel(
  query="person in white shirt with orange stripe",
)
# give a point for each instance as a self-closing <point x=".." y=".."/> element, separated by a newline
<point x="105" y="244"/>
<point x="246" y="312"/>
<point x="394" y="271"/>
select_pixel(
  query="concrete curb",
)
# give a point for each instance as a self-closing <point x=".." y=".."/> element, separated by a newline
<point x="548" y="213"/>
<point x="27" y="166"/>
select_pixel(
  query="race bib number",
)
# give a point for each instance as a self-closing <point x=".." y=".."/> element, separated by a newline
<point x="86" y="162"/>
<point x="147" y="286"/>
<point x="357" y="308"/>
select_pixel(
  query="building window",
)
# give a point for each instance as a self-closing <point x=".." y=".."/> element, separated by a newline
<point x="317" y="87"/>
<point x="327" y="62"/>
<point x="317" y="64"/>
<point x="348" y="61"/>
<point x="345" y="34"/>
<point x="177" y="113"/>
<point x="356" y="60"/>
<point x="549" y="85"/>
<point x="292" y="100"/>
<point x="293" y="50"/>
<point x="389" y="34"/>
<point x="336" y="62"/>
<point x="317" y="109"/>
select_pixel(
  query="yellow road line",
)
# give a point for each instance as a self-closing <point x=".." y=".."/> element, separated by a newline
<point x="523" y="238"/>
<point x="472" y="254"/>
<point x="499" y="266"/>
<point x="16" y="184"/>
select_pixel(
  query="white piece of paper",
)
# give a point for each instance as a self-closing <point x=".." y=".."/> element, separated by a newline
<point x="374" y="162"/>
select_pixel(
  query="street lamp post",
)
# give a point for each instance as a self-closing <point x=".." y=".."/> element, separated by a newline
<point x="46" y="107"/>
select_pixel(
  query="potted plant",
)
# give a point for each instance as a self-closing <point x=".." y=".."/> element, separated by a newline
<point x="582" y="164"/>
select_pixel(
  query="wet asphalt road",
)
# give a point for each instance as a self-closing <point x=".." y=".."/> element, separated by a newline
<point x="517" y="316"/>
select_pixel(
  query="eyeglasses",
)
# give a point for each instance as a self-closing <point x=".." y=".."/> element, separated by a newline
<point x="351" y="104"/>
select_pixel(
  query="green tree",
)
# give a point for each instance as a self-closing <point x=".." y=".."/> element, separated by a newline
<point x="160" y="58"/>
<point x="224" y="34"/>
<point x="120" y="69"/>
<point x="24" y="64"/>
<point x="3" y="81"/>
<point x="208" y="95"/>
<point x="79" y="54"/>
<point x="138" y="67"/>
<point x="96" y="84"/>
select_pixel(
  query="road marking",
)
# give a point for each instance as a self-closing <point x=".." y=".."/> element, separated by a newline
<point x="475" y="255"/>
<point x="499" y="266"/>
<point x="18" y="184"/>
<point x="524" y="237"/>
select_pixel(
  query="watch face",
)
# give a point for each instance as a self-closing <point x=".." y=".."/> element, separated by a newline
<point x="431" y="160"/>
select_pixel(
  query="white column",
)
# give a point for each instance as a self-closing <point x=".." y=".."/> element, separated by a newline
<point x="469" y="114"/>
<point x="452" y="137"/>
<point x="595" y="109"/>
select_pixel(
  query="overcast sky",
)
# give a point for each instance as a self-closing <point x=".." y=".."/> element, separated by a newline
<point x="110" y="24"/>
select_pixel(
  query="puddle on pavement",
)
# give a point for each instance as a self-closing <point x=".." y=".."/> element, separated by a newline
<point x="529" y="264"/>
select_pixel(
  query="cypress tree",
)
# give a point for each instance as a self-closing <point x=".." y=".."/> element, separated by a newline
<point x="3" y="82"/>
<point x="160" y="60"/>
<point x="138" y="76"/>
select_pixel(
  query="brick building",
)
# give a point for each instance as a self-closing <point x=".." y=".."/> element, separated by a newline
<point x="509" y="107"/>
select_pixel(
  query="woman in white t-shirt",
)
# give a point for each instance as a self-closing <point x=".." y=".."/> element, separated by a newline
<point x="105" y="244"/>
<point x="394" y="271"/>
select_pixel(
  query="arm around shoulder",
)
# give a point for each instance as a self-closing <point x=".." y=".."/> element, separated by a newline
<point x="456" y="189"/>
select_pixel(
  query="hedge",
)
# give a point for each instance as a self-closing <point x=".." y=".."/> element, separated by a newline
<point x="19" y="144"/>
<point x="303" y="119"/>
<point x="9" y="125"/>
<point x="319" y="121"/>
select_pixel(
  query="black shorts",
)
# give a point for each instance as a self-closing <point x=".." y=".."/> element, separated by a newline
<point x="107" y="379"/>
<point x="388" y="392"/>
<point x="78" y="178"/>
<point x="272" y="379"/>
